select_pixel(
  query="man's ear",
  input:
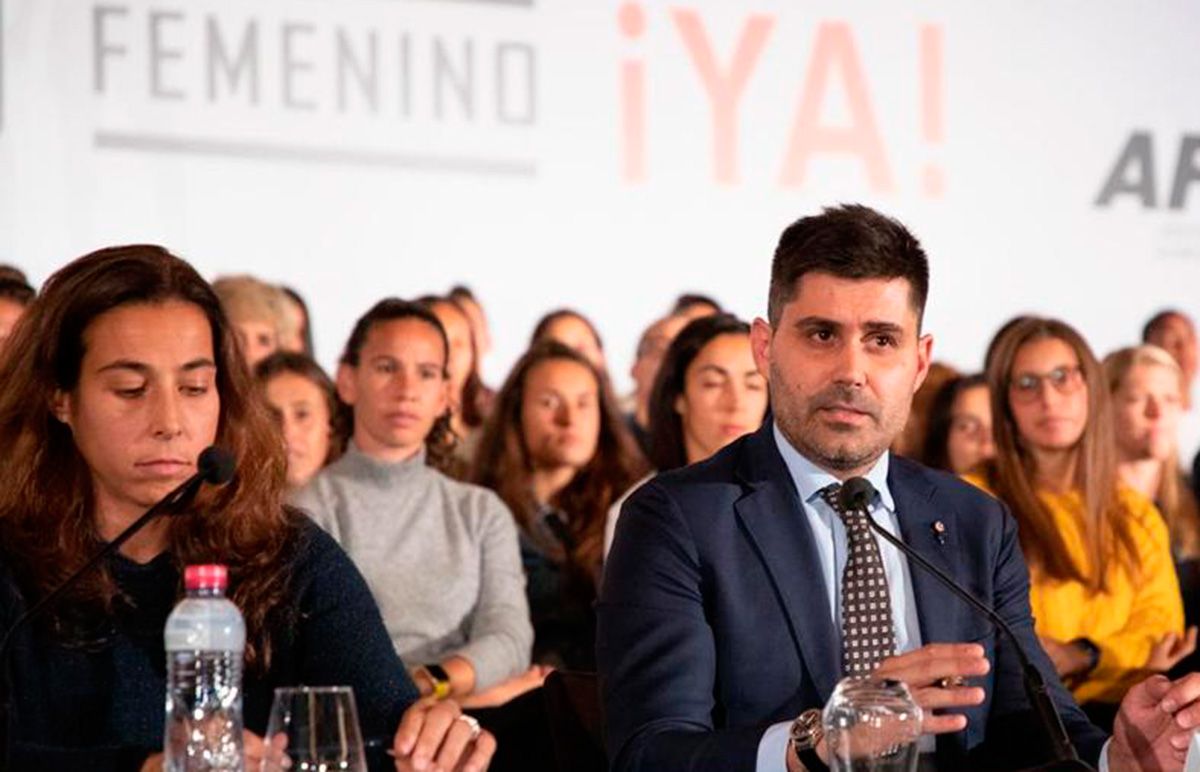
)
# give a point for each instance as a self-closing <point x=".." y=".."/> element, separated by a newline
<point x="924" y="359"/>
<point x="346" y="387"/>
<point x="760" y="345"/>
<point x="60" y="406"/>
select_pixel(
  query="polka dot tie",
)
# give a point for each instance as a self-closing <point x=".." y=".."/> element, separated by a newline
<point x="867" y="634"/>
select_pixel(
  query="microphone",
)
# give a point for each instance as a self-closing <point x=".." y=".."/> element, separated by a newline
<point x="214" y="466"/>
<point x="856" y="494"/>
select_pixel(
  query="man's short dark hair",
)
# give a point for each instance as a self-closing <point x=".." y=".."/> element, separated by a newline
<point x="1159" y="320"/>
<point x="850" y="241"/>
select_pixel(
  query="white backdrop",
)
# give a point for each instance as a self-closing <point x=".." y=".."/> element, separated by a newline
<point x="607" y="155"/>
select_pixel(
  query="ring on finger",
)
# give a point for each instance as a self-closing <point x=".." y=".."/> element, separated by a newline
<point x="472" y="722"/>
<point x="950" y="682"/>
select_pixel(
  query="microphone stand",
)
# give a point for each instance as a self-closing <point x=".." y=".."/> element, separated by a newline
<point x="172" y="504"/>
<point x="1064" y="754"/>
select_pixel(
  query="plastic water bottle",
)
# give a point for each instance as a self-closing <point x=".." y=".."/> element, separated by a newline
<point x="206" y="641"/>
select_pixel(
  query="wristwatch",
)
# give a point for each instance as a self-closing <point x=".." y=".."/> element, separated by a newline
<point x="440" y="680"/>
<point x="807" y="732"/>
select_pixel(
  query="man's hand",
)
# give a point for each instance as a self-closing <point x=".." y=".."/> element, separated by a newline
<point x="923" y="669"/>
<point x="1155" y="724"/>
<point x="434" y="733"/>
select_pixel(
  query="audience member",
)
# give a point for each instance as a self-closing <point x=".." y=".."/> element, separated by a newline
<point x="912" y="440"/>
<point x="693" y="305"/>
<point x="440" y="556"/>
<point x="256" y="311"/>
<point x="1104" y="592"/>
<point x="959" y="435"/>
<point x="990" y="352"/>
<point x="708" y="393"/>
<point x="12" y="273"/>
<point x="297" y="331"/>
<point x="465" y="385"/>
<point x="480" y="331"/>
<point x="305" y="406"/>
<point x="482" y="336"/>
<point x="1146" y="385"/>
<point x="15" y="297"/>
<point x="558" y="454"/>
<point x="126" y="370"/>
<point x="650" y="350"/>
<point x="1174" y="332"/>
<point x="573" y="330"/>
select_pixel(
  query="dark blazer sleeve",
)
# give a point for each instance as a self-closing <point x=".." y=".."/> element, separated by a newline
<point x="655" y="650"/>
<point x="1010" y="717"/>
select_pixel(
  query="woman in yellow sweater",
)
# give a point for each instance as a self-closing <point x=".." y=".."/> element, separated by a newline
<point x="1104" y="592"/>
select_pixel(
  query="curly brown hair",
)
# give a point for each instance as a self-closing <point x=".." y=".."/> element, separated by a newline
<point x="47" y="487"/>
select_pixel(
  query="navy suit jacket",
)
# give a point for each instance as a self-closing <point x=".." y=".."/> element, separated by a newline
<point x="713" y="618"/>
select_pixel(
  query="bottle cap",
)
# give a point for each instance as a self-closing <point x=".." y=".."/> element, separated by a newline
<point x="206" y="577"/>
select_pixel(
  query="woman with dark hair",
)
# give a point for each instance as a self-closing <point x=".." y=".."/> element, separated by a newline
<point x="440" y="555"/>
<point x="1103" y="587"/>
<point x="958" y="436"/>
<point x="126" y="371"/>
<point x="557" y="452"/>
<point x="708" y="392"/>
<point x="304" y="404"/>
<point x="573" y="330"/>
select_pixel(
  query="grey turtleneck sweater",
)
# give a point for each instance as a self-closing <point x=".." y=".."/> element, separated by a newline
<point x="440" y="556"/>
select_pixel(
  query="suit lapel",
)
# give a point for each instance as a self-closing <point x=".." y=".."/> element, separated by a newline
<point x="938" y="610"/>
<point x="774" y="522"/>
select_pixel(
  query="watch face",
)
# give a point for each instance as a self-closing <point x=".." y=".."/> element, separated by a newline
<point x="806" y="729"/>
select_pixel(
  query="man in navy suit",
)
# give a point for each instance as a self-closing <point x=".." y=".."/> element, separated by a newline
<point x="736" y="591"/>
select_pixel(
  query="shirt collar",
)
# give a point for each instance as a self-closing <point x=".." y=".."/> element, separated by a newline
<point x="810" y="479"/>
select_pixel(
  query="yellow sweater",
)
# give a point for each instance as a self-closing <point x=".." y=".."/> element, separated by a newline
<point x="1130" y="617"/>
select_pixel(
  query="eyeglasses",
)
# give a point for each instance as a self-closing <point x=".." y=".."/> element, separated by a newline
<point x="1027" y="387"/>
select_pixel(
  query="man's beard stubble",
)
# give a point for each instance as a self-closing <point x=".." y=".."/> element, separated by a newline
<point x="801" y="426"/>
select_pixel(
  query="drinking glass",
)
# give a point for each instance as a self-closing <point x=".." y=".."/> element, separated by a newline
<point x="872" y="725"/>
<point x="313" y="729"/>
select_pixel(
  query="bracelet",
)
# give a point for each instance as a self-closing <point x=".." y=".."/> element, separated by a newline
<point x="440" y="679"/>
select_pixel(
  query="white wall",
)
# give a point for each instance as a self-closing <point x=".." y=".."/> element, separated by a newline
<point x="528" y="186"/>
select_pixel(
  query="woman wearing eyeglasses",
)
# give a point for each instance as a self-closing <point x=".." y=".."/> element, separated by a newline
<point x="1103" y="586"/>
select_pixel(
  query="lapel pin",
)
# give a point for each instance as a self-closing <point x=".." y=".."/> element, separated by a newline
<point x="939" y="531"/>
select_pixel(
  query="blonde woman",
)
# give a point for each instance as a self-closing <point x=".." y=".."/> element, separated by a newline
<point x="1147" y="388"/>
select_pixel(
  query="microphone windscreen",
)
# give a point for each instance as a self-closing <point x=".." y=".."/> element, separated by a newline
<point x="215" y="465"/>
<point x="857" y="494"/>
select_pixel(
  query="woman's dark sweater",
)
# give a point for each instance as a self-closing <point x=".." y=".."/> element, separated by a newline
<point x="102" y="707"/>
